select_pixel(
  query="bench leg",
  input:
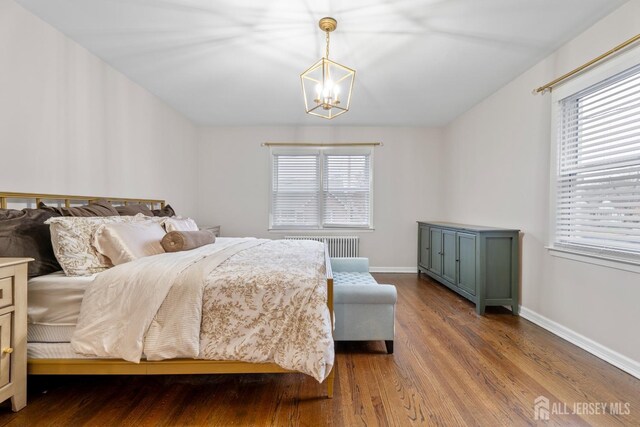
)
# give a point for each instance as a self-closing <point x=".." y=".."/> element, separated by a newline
<point x="389" y="344"/>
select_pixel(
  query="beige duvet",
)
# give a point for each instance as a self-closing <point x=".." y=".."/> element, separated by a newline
<point x="251" y="300"/>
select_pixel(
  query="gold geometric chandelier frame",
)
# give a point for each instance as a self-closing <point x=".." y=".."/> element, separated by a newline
<point x="323" y="82"/>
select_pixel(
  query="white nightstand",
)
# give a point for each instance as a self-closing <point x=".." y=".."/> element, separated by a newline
<point x="13" y="331"/>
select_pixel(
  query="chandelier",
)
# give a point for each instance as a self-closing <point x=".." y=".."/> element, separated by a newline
<point x="327" y="85"/>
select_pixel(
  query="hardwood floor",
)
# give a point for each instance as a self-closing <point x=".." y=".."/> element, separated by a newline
<point x="450" y="367"/>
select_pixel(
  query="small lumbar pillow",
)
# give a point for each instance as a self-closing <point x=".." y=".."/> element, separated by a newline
<point x="180" y="224"/>
<point x="175" y="241"/>
<point x="126" y="242"/>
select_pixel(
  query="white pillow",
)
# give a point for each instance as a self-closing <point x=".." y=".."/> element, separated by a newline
<point x="71" y="238"/>
<point x="127" y="242"/>
<point x="180" y="224"/>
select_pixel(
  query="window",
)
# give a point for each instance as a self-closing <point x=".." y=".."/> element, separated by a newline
<point x="597" y="206"/>
<point x="318" y="188"/>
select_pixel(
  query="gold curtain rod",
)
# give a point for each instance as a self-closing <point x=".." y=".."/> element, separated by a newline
<point x="303" y="144"/>
<point x="581" y="68"/>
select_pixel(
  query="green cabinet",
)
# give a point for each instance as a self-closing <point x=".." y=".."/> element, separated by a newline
<point x="479" y="263"/>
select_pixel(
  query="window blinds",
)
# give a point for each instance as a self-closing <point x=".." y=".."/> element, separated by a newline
<point x="295" y="190"/>
<point x="598" y="177"/>
<point x="327" y="188"/>
<point x="346" y="190"/>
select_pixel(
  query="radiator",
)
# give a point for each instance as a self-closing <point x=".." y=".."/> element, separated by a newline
<point x="339" y="246"/>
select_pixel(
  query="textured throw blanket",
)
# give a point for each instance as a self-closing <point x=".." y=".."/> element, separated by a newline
<point x="249" y="300"/>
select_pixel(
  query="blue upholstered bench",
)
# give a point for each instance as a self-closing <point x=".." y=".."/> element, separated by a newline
<point x="364" y="310"/>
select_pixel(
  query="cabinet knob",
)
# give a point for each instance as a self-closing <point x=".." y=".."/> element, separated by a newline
<point x="7" y="350"/>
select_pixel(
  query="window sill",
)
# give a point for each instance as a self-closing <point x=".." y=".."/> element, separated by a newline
<point x="318" y="231"/>
<point x="596" y="259"/>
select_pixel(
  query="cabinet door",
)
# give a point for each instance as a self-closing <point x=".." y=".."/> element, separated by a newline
<point x="449" y="255"/>
<point x="435" y="249"/>
<point x="467" y="262"/>
<point x="5" y="343"/>
<point x="423" y="247"/>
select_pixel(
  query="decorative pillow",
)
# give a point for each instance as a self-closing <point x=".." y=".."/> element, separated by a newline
<point x="130" y="210"/>
<point x="175" y="241"/>
<point x="127" y="242"/>
<point x="98" y="208"/>
<point x="180" y="224"/>
<point x="166" y="211"/>
<point x="23" y="233"/>
<point x="71" y="238"/>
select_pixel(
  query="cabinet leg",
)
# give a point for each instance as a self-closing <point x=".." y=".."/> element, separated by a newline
<point x="515" y="309"/>
<point x="480" y="309"/>
<point x="18" y="401"/>
<point x="389" y="345"/>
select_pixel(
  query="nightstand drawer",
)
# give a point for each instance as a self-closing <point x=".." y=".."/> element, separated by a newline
<point x="5" y="349"/>
<point x="6" y="292"/>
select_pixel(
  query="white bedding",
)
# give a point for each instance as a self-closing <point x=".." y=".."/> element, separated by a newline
<point x="55" y="299"/>
<point x="256" y="300"/>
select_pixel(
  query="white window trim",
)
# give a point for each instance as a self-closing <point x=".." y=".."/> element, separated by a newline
<point x="594" y="258"/>
<point x="323" y="149"/>
<point x="616" y="65"/>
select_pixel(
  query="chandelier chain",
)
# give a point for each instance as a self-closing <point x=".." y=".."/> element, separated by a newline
<point x="327" y="51"/>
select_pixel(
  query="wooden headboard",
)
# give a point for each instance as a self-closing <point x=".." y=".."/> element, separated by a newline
<point x="68" y="200"/>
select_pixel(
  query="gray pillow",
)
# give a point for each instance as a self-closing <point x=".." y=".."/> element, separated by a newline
<point x="23" y="233"/>
<point x="99" y="208"/>
<point x="132" y="210"/>
<point x="166" y="211"/>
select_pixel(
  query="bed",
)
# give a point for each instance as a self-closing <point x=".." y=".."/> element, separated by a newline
<point x="50" y="327"/>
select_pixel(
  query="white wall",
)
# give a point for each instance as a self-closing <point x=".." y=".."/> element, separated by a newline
<point x="496" y="164"/>
<point x="71" y="124"/>
<point x="234" y="183"/>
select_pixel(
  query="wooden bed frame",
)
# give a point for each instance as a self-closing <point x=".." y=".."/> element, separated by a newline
<point x="163" y="367"/>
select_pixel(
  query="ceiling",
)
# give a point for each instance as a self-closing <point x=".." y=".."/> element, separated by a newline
<point x="237" y="62"/>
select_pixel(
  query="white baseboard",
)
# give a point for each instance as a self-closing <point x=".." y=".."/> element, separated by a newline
<point x="616" y="359"/>
<point x="393" y="270"/>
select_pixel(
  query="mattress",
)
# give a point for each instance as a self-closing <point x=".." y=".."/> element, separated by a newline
<point x="49" y="333"/>
<point x="37" y="350"/>
<point x="54" y="302"/>
<point x="60" y="350"/>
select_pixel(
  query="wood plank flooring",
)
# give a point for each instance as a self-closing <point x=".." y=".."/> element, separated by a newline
<point x="450" y="367"/>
